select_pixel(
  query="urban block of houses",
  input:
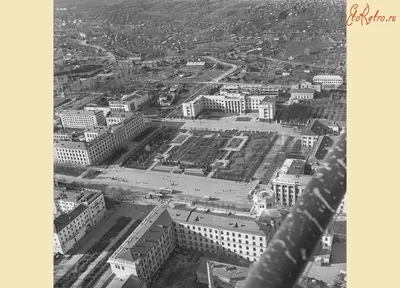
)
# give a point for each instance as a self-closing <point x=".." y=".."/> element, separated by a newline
<point x="75" y="212"/>
<point x="145" y="251"/>
<point x="130" y="102"/>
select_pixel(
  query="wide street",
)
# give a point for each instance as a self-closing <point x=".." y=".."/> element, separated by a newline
<point x="147" y="181"/>
<point x="230" y="123"/>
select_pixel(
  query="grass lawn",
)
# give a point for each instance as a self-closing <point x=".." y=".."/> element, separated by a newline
<point x="243" y="119"/>
<point x="68" y="169"/>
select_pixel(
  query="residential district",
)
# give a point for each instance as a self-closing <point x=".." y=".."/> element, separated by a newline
<point x="180" y="148"/>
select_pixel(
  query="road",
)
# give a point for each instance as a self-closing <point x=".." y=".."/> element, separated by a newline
<point x="109" y="54"/>
<point x="147" y="181"/>
<point x="296" y="63"/>
<point x="222" y="76"/>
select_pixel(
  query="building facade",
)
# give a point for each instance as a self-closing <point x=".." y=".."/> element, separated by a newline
<point x="145" y="251"/>
<point x="130" y="102"/>
<point x="69" y="228"/>
<point x="82" y="119"/>
<point x="328" y="81"/>
<point x="290" y="181"/>
<point x="236" y="236"/>
<point x="305" y="93"/>
<point x="267" y="109"/>
<point x="100" y="142"/>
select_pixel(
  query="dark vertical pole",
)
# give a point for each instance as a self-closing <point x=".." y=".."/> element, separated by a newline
<point x="291" y="247"/>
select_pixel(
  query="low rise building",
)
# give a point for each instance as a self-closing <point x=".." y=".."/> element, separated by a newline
<point x="305" y="93"/>
<point x="130" y="102"/>
<point x="328" y="81"/>
<point x="304" y="84"/>
<point x="81" y="118"/>
<point x="198" y="65"/>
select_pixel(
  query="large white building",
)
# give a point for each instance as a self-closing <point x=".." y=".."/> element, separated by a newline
<point x="149" y="246"/>
<point x="235" y="99"/>
<point x="75" y="213"/>
<point x="130" y="102"/>
<point x="100" y="142"/>
<point x="82" y="119"/>
<point x="328" y="81"/>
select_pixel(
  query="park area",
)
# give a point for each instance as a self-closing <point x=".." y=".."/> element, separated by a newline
<point x="158" y="143"/>
<point x="200" y="150"/>
<point x="243" y="164"/>
<point x="302" y="112"/>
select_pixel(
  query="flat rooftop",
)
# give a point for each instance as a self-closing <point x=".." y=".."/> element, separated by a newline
<point x="63" y="220"/>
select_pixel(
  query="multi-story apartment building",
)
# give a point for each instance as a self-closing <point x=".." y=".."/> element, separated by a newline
<point x="100" y="142"/>
<point x="237" y="236"/>
<point x="152" y="242"/>
<point x="69" y="228"/>
<point x="328" y="81"/>
<point x="66" y="201"/>
<point x="144" y="251"/>
<point x="290" y="181"/>
<point x="250" y="89"/>
<point x="82" y="119"/>
<point x="84" y="153"/>
<point x="75" y="212"/>
<point x="305" y="93"/>
<point x="130" y="102"/>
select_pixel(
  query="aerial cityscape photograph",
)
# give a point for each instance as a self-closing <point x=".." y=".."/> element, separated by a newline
<point x="199" y="143"/>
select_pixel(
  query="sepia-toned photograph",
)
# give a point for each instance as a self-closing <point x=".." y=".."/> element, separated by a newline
<point x="200" y="143"/>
